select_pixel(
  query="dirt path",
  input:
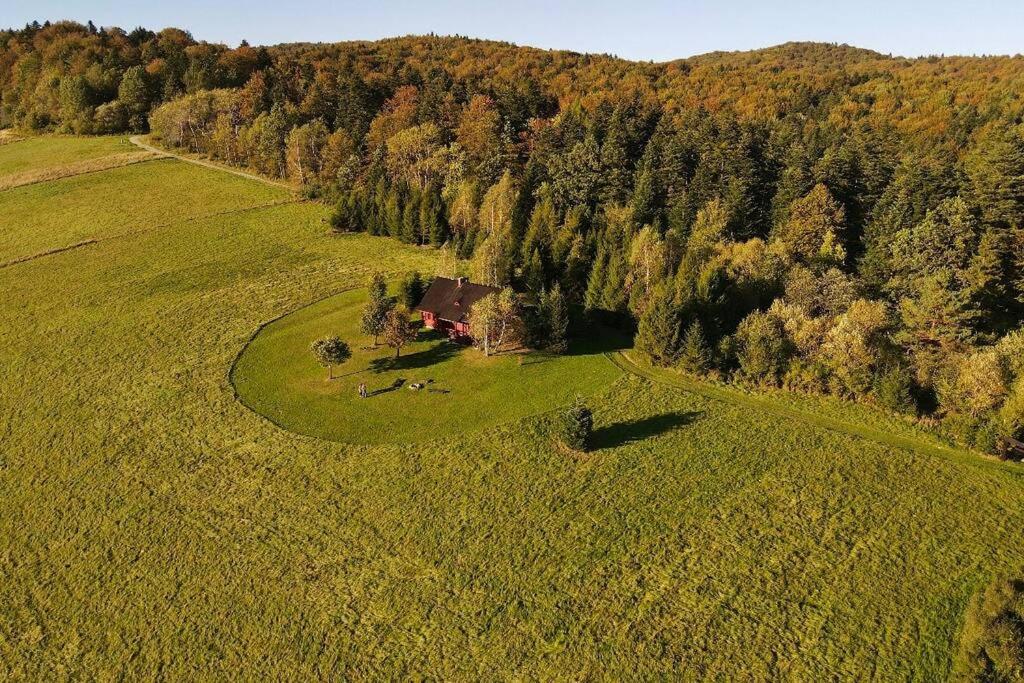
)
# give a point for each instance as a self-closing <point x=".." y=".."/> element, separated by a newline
<point x="138" y="141"/>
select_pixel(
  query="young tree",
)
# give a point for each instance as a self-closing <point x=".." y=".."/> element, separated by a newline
<point x="762" y="348"/>
<point x="556" y="318"/>
<point x="411" y="289"/>
<point x="398" y="329"/>
<point x="695" y="354"/>
<point x="493" y="318"/>
<point x="658" y="332"/>
<point x="377" y="308"/>
<point x="133" y="93"/>
<point x="330" y="351"/>
<point x="577" y="426"/>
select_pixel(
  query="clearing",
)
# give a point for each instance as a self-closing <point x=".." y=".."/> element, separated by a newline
<point x="277" y="377"/>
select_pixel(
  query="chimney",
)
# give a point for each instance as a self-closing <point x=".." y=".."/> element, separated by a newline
<point x="459" y="281"/>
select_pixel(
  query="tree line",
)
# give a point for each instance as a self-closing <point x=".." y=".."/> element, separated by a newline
<point x="814" y="217"/>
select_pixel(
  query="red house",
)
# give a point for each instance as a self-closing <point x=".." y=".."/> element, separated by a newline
<point x="445" y="306"/>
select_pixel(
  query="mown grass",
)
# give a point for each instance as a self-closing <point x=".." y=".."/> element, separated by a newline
<point x="464" y="392"/>
<point x="45" y="216"/>
<point x="35" y="153"/>
<point x="152" y="526"/>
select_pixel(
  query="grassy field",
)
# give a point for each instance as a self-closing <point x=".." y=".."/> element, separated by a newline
<point x="95" y="206"/>
<point x="153" y="526"/>
<point x="35" y="153"/>
<point x="278" y="377"/>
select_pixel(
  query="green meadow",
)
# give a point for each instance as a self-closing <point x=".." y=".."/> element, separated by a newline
<point x="462" y="391"/>
<point x="36" y="153"/>
<point x="153" y="525"/>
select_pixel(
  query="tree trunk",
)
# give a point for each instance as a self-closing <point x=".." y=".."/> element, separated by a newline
<point x="330" y="372"/>
<point x="398" y="351"/>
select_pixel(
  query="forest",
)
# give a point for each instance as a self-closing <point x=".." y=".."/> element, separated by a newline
<point x="811" y="217"/>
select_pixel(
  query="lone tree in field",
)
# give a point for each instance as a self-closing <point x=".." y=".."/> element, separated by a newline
<point x="577" y="426"/>
<point x="375" y="312"/>
<point x="330" y="351"/>
<point x="398" y="329"/>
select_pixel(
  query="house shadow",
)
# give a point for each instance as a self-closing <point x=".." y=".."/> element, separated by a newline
<point x="623" y="433"/>
<point x="437" y="353"/>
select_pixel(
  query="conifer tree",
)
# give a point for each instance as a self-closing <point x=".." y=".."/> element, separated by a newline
<point x="376" y="309"/>
<point x="556" y="318"/>
<point x="658" y="332"/>
<point x="695" y="355"/>
<point x="577" y="426"/>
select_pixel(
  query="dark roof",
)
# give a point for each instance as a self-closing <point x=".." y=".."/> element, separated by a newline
<point x="451" y="299"/>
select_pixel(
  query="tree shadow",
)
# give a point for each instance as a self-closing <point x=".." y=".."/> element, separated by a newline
<point x="594" y="339"/>
<point x="624" y="433"/>
<point x="397" y="384"/>
<point x="437" y="353"/>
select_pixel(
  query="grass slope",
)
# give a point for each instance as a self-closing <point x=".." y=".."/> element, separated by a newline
<point x="152" y="526"/>
<point x="278" y="377"/>
<point x="95" y="206"/>
<point x="42" y="152"/>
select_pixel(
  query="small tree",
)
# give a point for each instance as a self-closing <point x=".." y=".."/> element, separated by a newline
<point x="695" y="354"/>
<point x="494" y="319"/>
<point x="577" y="425"/>
<point x="398" y="329"/>
<point x="377" y="308"/>
<point x="411" y="289"/>
<point x="658" y="332"/>
<point x="330" y="351"/>
<point x="556" y="314"/>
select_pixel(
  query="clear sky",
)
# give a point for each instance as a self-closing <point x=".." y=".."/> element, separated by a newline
<point x="659" y="30"/>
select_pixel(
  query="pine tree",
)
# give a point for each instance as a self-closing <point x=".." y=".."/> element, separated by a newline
<point x="577" y="426"/>
<point x="996" y="171"/>
<point x="695" y="355"/>
<point x="658" y="332"/>
<point x="556" y="315"/>
<point x="593" y="298"/>
<point x="533" y="272"/>
<point x="376" y="310"/>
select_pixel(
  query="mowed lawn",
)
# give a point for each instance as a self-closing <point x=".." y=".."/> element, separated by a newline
<point x="36" y="153"/>
<point x="94" y="206"/>
<point x="463" y="392"/>
<point x="151" y="525"/>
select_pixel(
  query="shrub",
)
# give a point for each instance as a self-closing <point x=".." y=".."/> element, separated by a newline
<point x="893" y="389"/>
<point x="577" y="426"/>
<point x="761" y="348"/>
<point x="992" y="640"/>
<point x="1011" y="415"/>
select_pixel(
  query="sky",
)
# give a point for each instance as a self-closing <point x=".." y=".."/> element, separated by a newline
<point x="657" y="30"/>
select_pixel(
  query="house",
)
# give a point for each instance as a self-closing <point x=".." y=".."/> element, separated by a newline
<point x="446" y="305"/>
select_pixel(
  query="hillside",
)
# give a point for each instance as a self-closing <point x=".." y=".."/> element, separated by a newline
<point x="788" y="282"/>
<point x="151" y="525"/>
